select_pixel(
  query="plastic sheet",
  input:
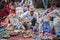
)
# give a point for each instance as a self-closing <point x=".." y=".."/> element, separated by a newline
<point x="2" y="30"/>
<point x="46" y="27"/>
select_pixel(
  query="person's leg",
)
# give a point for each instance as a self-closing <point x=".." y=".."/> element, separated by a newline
<point x="45" y="3"/>
<point x="33" y="21"/>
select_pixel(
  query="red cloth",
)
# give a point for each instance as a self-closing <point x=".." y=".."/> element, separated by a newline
<point x="7" y="7"/>
<point x="4" y="12"/>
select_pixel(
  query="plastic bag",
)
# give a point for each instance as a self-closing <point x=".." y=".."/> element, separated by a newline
<point x="46" y="27"/>
<point x="14" y="21"/>
<point x="57" y="28"/>
<point x="18" y="26"/>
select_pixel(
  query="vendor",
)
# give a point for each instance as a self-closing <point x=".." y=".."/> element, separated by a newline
<point x="31" y="15"/>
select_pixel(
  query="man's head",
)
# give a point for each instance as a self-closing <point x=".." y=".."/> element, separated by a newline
<point x="31" y="9"/>
<point x="26" y="2"/>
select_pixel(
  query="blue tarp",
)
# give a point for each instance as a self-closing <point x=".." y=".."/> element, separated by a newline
<point x="46" y="27"/>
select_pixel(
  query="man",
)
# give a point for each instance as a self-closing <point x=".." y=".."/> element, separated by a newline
<point x="31" y="15"/>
